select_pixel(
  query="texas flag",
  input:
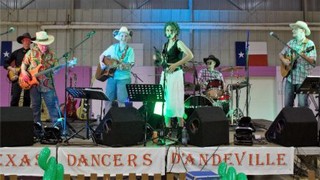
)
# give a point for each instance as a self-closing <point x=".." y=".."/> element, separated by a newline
<point x="257" y="53"/>
<point x="6" y="48"/>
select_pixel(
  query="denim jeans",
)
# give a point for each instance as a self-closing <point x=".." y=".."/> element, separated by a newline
<point x="116" y="89"/>
<point x="289" y="96"/>
<point x="51" y="101"/>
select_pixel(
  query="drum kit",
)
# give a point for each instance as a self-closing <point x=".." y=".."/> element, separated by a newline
<point x="216" y="95"/>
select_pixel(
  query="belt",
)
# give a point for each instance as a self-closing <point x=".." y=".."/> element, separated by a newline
<point x="177" y="69"/>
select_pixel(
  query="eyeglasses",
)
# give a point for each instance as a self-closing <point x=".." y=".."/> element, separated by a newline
<point x="209" y="63"/>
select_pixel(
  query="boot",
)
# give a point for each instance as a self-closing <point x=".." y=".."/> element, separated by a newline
<point x="168" y="131"/>
<point x="179" y="133"/>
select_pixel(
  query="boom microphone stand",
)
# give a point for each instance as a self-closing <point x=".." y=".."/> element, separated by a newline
<point x="66" y="57"/>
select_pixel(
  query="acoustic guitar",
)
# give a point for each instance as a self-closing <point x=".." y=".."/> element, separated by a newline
<point x="34" y="73"/>
<point x="112" y="65"/>
<point x="285" y="70"/>
<point x="13" y="75"/>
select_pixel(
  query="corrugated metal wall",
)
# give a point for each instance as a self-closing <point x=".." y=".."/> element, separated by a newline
<point x="70" y="26"/>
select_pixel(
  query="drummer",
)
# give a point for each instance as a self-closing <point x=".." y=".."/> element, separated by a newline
<point x="209" y="76"/>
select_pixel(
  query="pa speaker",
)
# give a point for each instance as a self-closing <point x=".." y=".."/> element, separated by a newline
<point x="294" y="127"/>
<point x="208" y="126"/>
<point x="16" y="126"/>
<point x="122" y="126"/>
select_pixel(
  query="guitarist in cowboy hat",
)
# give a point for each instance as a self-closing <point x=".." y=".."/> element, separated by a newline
<point x="116" y="62"/>
<point x="299" y="63"/>
<point x="12" y="64"/>
<point x="41" y="54"/>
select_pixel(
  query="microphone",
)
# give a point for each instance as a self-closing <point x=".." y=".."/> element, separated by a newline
<point x="11" y="29"/>
<point x="273" y="34"/>
<point x="91" y="33"/>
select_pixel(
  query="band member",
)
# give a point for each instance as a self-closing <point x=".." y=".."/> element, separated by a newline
<point x="175" y="53"/>
<point x="41" y="54"/>
<point x="301" y="65"/>
<point x="208" y="74"/>
<point x="118" y="57"/>
<point x="12" y="64"/>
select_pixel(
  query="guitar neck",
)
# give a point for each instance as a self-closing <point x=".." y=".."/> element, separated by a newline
<point x="48" y="70"/>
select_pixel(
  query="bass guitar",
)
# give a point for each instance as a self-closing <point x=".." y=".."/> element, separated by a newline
<point x="34" y="73"/>
<point x="285" y="69"/>
<point x="83" y="109"/>
<point x="13" y="75"/>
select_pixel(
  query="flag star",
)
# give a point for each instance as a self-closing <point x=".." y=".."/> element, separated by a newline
<point x="241" y="55"/>
<point x="6" y="54"/>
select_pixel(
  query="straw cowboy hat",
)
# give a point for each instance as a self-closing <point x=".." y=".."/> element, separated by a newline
<point x="302" y="25"/>
<point x="212" y="57"/>
<point x="43" y="38"/>
<point x="123" y="29"/>
<point x="25" y="35"/>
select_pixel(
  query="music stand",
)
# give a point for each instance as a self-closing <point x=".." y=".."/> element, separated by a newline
<point x="311" y="85"/>
<point x="86" y="93"/>
<point x="145" y="93"/>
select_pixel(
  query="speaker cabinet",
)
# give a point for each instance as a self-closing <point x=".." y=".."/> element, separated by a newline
<point x="208" y="126"/>
<point x="294" y="126"/>
<point x="16" y="126"/>
<point x="122" y="126"/>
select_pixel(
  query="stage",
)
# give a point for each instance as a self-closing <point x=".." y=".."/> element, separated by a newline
<point x="83" y="156"/>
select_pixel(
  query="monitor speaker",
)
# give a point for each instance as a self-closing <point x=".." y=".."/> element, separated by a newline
<point x="208" y="126"/>
<point x="122" y="126"/>
<point x="294" y="126"/>
<point x="16" y="126"/>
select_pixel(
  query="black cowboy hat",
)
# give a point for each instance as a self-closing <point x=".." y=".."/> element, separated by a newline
<point x="25" y="35"/>
<point x="212" y="57"/>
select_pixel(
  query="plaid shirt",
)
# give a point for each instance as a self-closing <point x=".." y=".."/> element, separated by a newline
<point x="205" y="75"/>
<point x="302" y="68"/>
<point x="33" y="58"/>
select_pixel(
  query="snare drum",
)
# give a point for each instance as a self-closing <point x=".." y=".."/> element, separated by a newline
<point x="214" y="88"/>
<point x="197" y="101"/>
<point x="225" y="97"/>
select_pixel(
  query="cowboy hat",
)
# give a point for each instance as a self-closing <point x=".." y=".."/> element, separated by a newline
<point x="302" y="25"/>
<point x="212" y="57"/>
<point x="25" y="35"/>
<point x="43" y="38"/>
<point x="123" y="29"/>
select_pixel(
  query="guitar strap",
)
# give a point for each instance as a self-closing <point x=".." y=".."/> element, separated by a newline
<point x="124" y="54"/>
<point x="304" y="48"/>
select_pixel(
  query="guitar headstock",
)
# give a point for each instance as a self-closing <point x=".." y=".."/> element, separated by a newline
<point x="72" y="62"/>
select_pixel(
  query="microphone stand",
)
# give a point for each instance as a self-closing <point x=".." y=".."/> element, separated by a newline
<point x="66" y="57"/>
<point x="247" y="75"/>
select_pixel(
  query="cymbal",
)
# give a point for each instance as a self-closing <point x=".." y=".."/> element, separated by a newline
<point x="231" y="68"/>
<point x="195" y="62"/>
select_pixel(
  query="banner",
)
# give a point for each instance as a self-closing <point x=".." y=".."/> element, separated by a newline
<point x="6" y="48"/>
<point x="249" y="160"/>
<point x="257" y="55"/>
<point x="105" y="160"/>
<point x="22" y="161"/>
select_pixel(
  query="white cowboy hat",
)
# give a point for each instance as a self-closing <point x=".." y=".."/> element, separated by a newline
<point x="123" y="29"/>
<point x="301" y="25"/>
<point x="43" y="38"/>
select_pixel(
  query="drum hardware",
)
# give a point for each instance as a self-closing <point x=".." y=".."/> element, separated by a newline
<point x="231" y="68"/>
<point x="214" y="88"/>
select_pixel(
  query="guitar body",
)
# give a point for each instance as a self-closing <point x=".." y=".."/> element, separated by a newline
<point x="33" y="81"/>
<point x="284" y="70"/>
<point x="82" y="110"/>
<point x="12" y="76"/>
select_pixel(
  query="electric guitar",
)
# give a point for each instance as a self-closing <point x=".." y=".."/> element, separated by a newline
<point x="13" y="75"/>
<point x="71" y="102"/>
<point x="34" y="73"/>
<point x="84" y="108"/>
<point x="285" y="69"/>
